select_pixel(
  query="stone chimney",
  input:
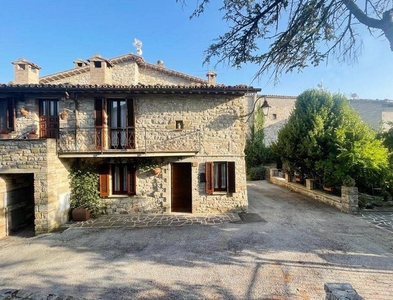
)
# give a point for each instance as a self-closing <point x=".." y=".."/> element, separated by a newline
<point x="25" y="72"/>
<point x="211" y="77"/>
<point x="160" y="64"/>
<point x="79" y="63"/>
<point x="100" y="70"/>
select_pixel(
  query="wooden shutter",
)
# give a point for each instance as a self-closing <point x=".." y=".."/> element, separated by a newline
<point x="130" y="113"/>
<point x="104" y="181"/>
<point x="130" y="131"/>
<point x="98" y="112"/>
<point x="231" y="177"/>
<point x="99" y="119"/>
<point x="209" y="172"/>
<point x="131" y="180"/>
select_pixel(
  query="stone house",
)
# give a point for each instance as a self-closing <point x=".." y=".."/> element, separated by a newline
<point x="120" y="114"/>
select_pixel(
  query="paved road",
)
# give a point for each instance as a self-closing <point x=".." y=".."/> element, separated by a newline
<point x="382" y="219"/>
<point x="297" y="247"/>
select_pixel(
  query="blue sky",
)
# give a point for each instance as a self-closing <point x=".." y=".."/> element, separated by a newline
<point x="53" y="33"/>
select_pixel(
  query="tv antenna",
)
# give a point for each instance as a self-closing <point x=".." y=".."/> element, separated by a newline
<point x="138" y="44"/>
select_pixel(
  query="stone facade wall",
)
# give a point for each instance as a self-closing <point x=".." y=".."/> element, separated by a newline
<point x="3" y="190"/>
<point x="154" y="191"/>
<point x="221" y="138"/>
<point x="153" y="195"/>
<point x="82" y="78"/>
<point x="212" y="127"/>
<point x="281" y="108"/>
<point x="38" y="157"/>
<point x="24" y="124"/>
<point x="58" y="188"/>
<point x="124" y="73"/>
<point x="150" y="76"/>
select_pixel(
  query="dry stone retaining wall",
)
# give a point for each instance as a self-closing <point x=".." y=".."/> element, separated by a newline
<point x="348" y="202"/>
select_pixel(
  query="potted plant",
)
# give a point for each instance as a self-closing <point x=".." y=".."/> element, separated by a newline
<point x="156" y="170"/>
<point x="32" y="134"/>
<point x="4" y="133"/>
<point x="64" y="115"/>
<point x="84" y="199"/>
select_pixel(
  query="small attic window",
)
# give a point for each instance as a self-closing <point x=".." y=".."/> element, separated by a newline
<point x="22" y="67"/>
<point x="97" y="64"/>
<point x="79" y="64"/>
<point x="179" y="124"/>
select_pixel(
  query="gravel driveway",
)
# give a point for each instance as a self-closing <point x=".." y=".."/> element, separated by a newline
<point x="289" y="253"/>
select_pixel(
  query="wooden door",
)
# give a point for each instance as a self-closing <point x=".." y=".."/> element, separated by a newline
<point x="49" y="118"/>
<point x="181" y="188"/>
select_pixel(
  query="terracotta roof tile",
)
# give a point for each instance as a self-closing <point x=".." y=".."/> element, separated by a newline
<point x="140" y="88"/>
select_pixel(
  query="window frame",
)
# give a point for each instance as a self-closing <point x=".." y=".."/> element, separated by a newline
<point x="9" y="113"/>
<point x="107" y="180"/>
<point x="102" y="120"/>
<point x="230" y="177"/>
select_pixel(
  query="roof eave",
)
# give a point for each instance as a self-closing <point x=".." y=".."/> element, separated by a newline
<point x="137" y="89"/>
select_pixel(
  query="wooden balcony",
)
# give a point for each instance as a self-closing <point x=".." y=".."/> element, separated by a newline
<point x="127" y="142"/>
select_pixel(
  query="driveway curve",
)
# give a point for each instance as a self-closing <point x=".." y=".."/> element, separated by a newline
<point x="288" y="252"/>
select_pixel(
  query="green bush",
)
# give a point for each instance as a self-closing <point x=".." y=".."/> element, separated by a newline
<point x="84" y="189"/>
<point x="326" y="140"/>
<point x="257" y="173"/>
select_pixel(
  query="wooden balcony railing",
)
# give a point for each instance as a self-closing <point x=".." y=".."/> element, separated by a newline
<point x="130" y="139"/>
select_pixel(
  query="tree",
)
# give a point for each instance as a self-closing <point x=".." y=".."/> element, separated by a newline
<point x="256" y="152"/>
<point x="302" y="32"/>
<point x="326" y="140"/>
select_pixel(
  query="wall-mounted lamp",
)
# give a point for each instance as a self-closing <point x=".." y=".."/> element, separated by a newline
<point x="265" y="108"/>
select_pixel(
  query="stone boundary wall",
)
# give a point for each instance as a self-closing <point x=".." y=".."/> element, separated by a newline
<point x="348" y="202"/>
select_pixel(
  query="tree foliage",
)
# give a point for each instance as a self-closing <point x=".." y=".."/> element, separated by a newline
<point x="302" y="33"/>
<point x="256" y="152"/>
<point x="325" y="139"/>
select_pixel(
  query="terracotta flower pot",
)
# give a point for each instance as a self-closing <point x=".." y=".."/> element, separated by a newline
<point x="32" y="136"/>
<point x="80" y="214"/>
<point x="156" y="171"/>
<point x="5" y="135"/>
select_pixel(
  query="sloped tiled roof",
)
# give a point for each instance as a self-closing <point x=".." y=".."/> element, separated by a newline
<point x="124" y="58"/>
<point x="129" y="89"/>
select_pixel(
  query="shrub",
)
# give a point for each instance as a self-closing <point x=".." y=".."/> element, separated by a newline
<point x="326" y="140"/>
<point x="84" y="190"/>
<point x="257" y="173"/>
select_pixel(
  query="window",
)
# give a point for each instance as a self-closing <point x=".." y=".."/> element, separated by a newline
<point x="220" y="177"/>
<point x="97" y="64"/>
<point x="117" y="117"/>
<point x="117" y="179"/>
<point x="179" y="124"/>
<point x="7" y="113"/>
<point x="274" y="116"/>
